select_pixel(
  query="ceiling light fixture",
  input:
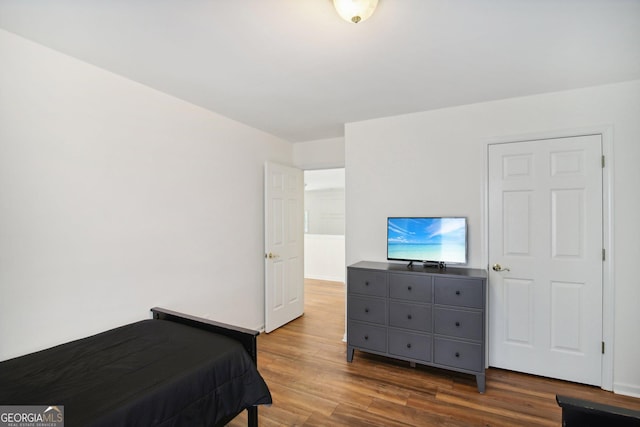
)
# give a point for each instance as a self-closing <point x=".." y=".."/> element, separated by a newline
<point x="355" y="10"/>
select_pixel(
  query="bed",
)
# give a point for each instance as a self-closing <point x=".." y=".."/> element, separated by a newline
<point x="172" y="370"/>
<point x="584" y="413"/>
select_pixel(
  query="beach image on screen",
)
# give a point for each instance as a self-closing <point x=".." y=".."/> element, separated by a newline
<point x="427" y="239"/>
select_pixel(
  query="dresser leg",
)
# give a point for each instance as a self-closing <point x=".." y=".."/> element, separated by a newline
<point x="349" y="354"/>
<point x="480" y="379"/>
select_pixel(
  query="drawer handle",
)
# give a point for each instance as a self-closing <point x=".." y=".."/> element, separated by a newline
<point x="458" y="324"/>
<point x="457" y="354"/>
<point x="409" y="288"/>
<point x="366" y="337"/>
<point x="366" y="283"/>
<point x="457" y="292"/>
<point x="366" y="310"/>
<point x="409" y="316"/>
<point x="408" y="345"/>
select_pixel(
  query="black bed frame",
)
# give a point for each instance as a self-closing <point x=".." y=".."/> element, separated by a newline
<point x="584" y="413"/>
<point x="247" y="337"/>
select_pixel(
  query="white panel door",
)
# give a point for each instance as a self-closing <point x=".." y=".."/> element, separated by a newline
<point x="545" y="247"/>
<point x="284" y="245"/>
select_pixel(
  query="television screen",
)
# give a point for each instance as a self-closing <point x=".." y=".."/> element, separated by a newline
<point x="442" y="240"/>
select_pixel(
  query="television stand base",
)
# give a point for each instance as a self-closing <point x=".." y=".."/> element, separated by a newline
<point x="434" y="264"/>
<point x="429" y="264"/>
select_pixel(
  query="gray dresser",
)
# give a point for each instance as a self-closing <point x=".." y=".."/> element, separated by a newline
<point x="430" y="316"/>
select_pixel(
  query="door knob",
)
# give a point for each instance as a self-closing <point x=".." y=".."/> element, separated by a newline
<point x="272" y="255"/>
<point x="498" y="267"/>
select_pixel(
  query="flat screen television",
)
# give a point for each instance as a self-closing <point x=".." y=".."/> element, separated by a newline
<point x="430" y="240"/>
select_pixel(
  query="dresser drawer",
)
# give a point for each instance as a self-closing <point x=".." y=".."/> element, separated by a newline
<point x="410" y="316"/>
<point x="367" y="336"/>
<point x="367" y="282"/>
<point x="413" y="346"/>
<point x="411" y="287"/>
<point x="457" y="354"/>
<point x="460" y="292"/>
<point x="367" y="309"/>
<point x="458" y="323"/>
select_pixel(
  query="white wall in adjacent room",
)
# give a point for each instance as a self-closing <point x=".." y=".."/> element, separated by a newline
<point x="115" y="198"/>
<point x="324" y="225"/>
<point x="324" y="210"/>
<point x="324" y="257"/>
<point x="431" y="164"/>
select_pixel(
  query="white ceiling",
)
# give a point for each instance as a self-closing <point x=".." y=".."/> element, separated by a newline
<point x="295" y="69"/>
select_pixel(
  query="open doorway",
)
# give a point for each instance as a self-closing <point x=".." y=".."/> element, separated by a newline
<point x="324" y="224"/>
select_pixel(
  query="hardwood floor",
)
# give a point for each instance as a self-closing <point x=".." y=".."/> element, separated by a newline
<point x="304" y="364"/>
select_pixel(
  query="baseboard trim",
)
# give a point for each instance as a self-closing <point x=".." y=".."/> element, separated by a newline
<point x="327" y="278"/>
<point x="631" y="390"/>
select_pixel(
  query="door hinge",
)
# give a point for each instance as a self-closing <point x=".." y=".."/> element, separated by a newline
<point x="603" y="255"/>
<point x="603" y="161"/>
<point x="602" y="347"/>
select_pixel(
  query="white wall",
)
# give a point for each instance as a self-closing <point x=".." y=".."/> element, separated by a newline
<point x="115" y="198"/>
<point x="319" y="154"/>
<point x="431" y="163"/>
<point x="324" y="257"/>
<point x="324" y="254"/>
<point x="324" y="235"/>
<point x="325" y="211"/>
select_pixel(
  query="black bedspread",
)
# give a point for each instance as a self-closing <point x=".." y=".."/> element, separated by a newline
<point x="149" y="373"/>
